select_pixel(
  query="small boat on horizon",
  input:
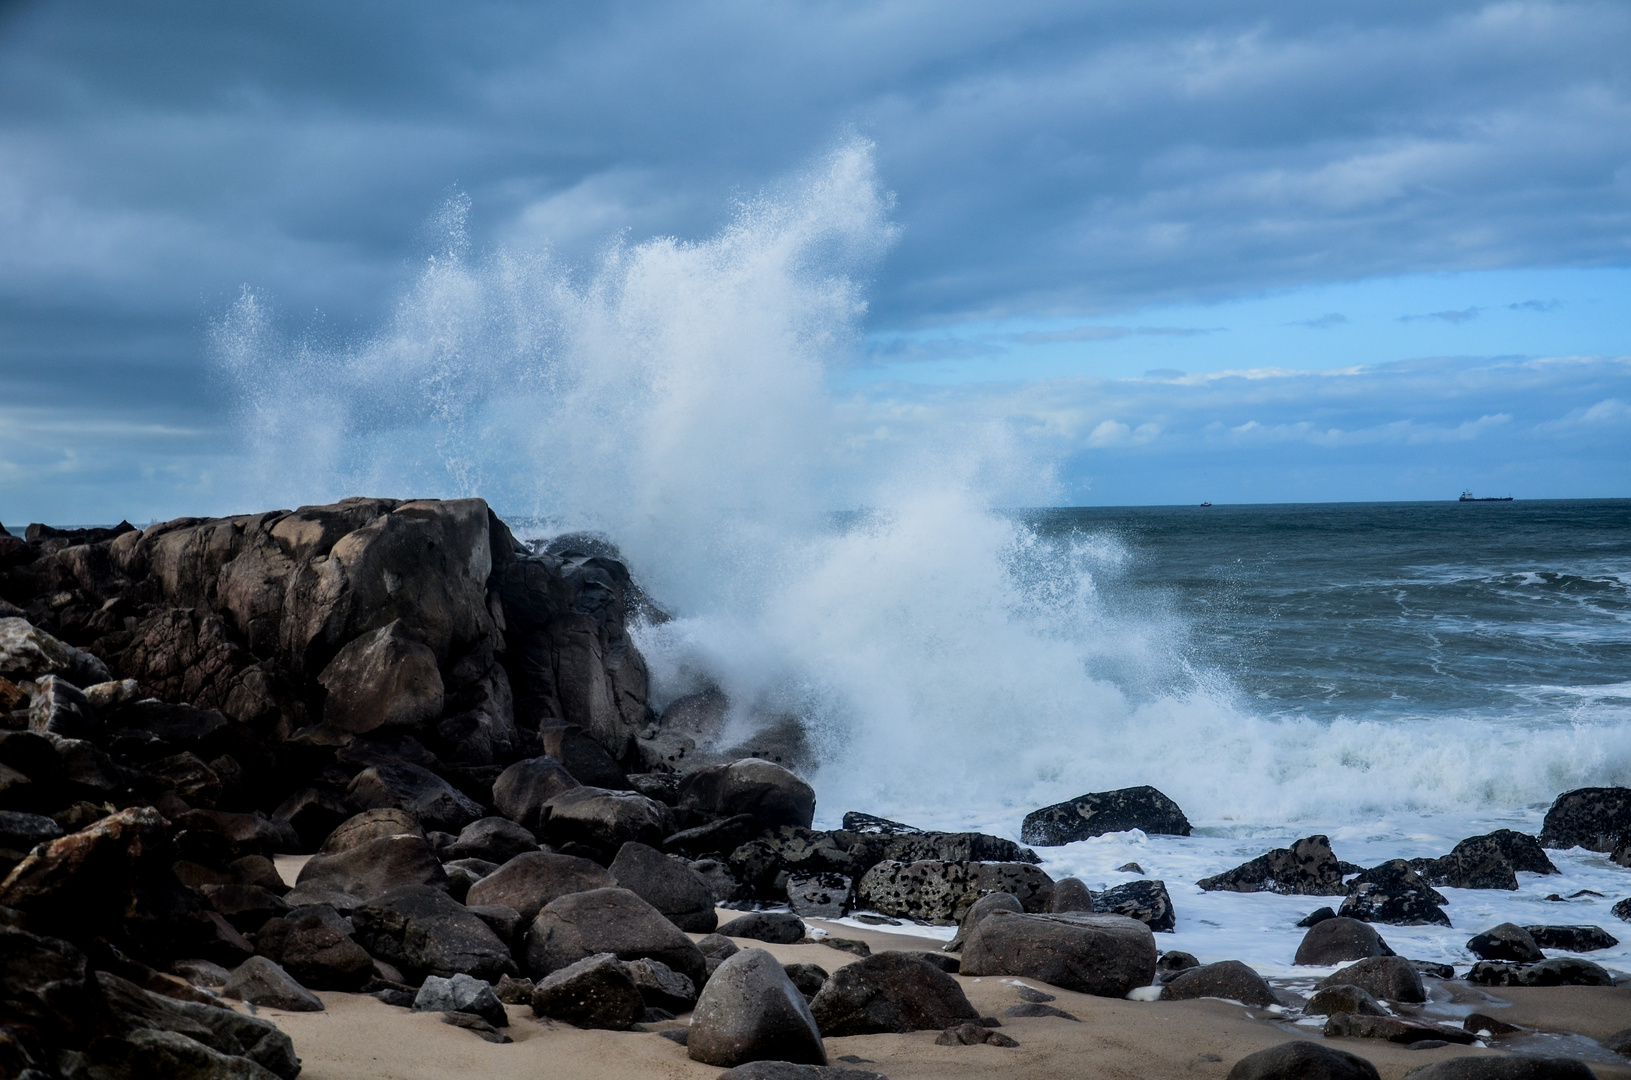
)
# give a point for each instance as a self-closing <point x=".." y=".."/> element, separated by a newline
<point x="1467" y="496"/>
<point x="1206" y="504"/>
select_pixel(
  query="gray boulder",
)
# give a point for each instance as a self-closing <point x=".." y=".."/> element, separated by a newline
<point x="424" y="932"/>
<point x="1306" y="868"/>
<point x="1103" y="812"/>
<point x="1303" y="1060"/>
<point x="1506" y="941"/>
<point x="1338" y="940"/>
<point x="130" y="1008"/>
<point x="1592" y="818"/>
<point x="889" y="992"/>
<point x="315" y="947"/>
<point x="1071" y="894"/>
<point x="1228" y="979"/>
<point x="373" y="868"/>
<point x="430" y="799"/>
<point x="1106" y="955"/>
<point x="1504" y="1068"/>
<point x="1572" y="938"/>
<point x="595" y="992"/>
<point x="495" y="839"/>
<point x="358" y="829"/>
<point x="258" y="981"/>
<point x="604" y="819"/>
<point x="1386" y="978"/>
<point x="984" y="906"/>
<point x="149" y="1053"/>
<point x="1342" y="998"/>
<point x="667" y="884"/>
<point x="774" y="927"/>
<point x="522" y="790"/>
<point x="1146" y="901"/>
<point x="787" y="1070"/>
<point x="615" y="921"/>
<point x="583" y="756"/>
<point x="661" y="986"/>
<point x="943" y="892"/>
<point x="819" y="895"/>
<point x="461" y="993"/>
<point x="383" y="679"/>
<point x="528" y="882"/>
<point x="751" y="1011"/>
<point x="754" y="786"/>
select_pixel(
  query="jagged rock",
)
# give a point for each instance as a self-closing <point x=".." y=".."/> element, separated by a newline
<point x="818" y="896"/>
<point x="58" y="708"/>
<point x="809" y="978"/>
<point x="1562" y="971"/>
<point x="1302" y="1060"/>
<point x="667" y="884"/>
<point x="1341" y="998"/>
<point x="954" y="847"/>
<point x="431" y="800"/>
<point x="1394" y="893"/>
<point x="1386" y="978"/>
<point x="661" y="986"/>
<point x="984" y="906"/>
<point x="1505" y="942"/>
<point x="475" y="1024"/>
<point x="597" y="991"/>
<point x="1572" y="938"/>
<point x="504" y="921"/>
<point x="751" y="1011"/>
<point x="1487" y="862"/>
<point x="754" y="786"/>
<point x="44" y="988"/>
<point x="514" y="991"/>
<point x="495" y="839"/>
<point x="944" y="891"/>
<point x="27" y="652"/>
<point x="529" y="881"/>
<point x="311" y="946"/>
<point x="373" y="868"/>
<point x="464" y="994"/>
<point x="604" y="820"/>
<point x="225" y="1031"/>
<point x="889" y="992"/>
<point x="774" y="927"/>
<point x="617" y="921"/>
<point x="259" y="981"/>
<point x="1071" y="894"/>
<point x="383" y="679"/>
<point x="1358" y="1026"/>
<point x="1592" y="818"/>
<point x="1504" y="1068"/>
<point x="1337" y="940"/>
<point x="424" y="931"/>
<point x="1229" y="979"/>
<point x="1306" y="868"/>
<point x="868" y="825"/>
<point x="1107" y="955"/>
<point x="1103" y="812"/>
<point x="1146" y="901"/>
<point x="146" y="1052"/>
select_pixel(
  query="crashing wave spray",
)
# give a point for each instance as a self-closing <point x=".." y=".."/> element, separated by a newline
<point x="951" y="664"/>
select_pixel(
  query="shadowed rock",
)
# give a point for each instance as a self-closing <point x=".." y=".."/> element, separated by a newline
<point x="751" y="1011"/>
<point x="1229" y="979"/>
<point x="1306" y="868"/>
<point x="617" y="921"/>
<point x="889" y="992"/>
<point x="528" y="882"/>
<point x="1387" y="978"/>
<point x="1107" y="955"/>
<point x="1103" y="812"/>
<point x="1338" y="940"/>
<point x="1303" y="1060"/>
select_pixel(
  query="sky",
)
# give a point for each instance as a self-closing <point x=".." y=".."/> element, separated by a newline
<point x="1253" y="252"/>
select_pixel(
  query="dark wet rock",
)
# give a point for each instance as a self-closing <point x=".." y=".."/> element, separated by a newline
<point x="1342" y="998"/>
<point x="1071" y="894"/>
<point x="664" y="787"/>
<point x="1619" y="1042"/>
<point x="751" y="1011"/>
<point x="1229" y="979"/>
<point x="775" y="927"/>
<point x="434" y="802"/>
<point x="1174" y="963"/>
<point x="146" y="1052"/>
<point x="772" y="794"/>
<point x="461" y="993"/>
<point x="1622" y="910"/>
<point x="954" y="847"/>
<point x="313" y="947"/>
<point x="1359" y="1026"/>
<point x="868" y="825"/>
<point x="495" y="839"/>
<point x="1503" y="1068"/>
<point x="1146" y="901"/>
<point x="854" y="946"/>
<point x="938" y="891"/>
<point x="506" y="922"/>
<point x="1437" y="971"/>
<point x="596" y="991"/>
<point x="1572" y="938"/>
<point x="889" y="992"/>
<point x="44" y="988"/>
<point x="1561" y="971"/>
<point x="1035" y="1009"/>
<point x="219" y="834"/>
<point x="201" y="973"/>
<point x="225" y="1031"/>
<point x="809" y="978"/>
<point x="662" y="986"/>
<point x="374" y="868"/>
<point x="605" y="820"/>
<point x="1315" y="917"/>
<point x="244" y="906"/>
<point x="259" y="981"/>
<point x="1386" y="978"/>
<point x="1486" y="1026"/>
<point x="424" y="932"/>
<point x="818" y="896"/>
<point x="1103" y="812"/>
<point x="971" y="1034"/>
<point x="583" y="756"/>
<point x="383" y="679"/>
<point x="1483" y="868"/>
<point x="1505" y="942"/>
<point x="617" y="921"/>
<point x="528" y="882"/>
<point x="522" y="790"/>
<point x="359" y="829"/>
<point x="717" y="945"/>
<point x="981" y="908"/>
<point x="20" y="832"/>
<point x="1306" y="868"/>
<point x="1107" y="955"/>
<point x="722" y="836"/>
<point x="1592" y="818"/>
<point x="1337" y="940"/>
<point x="1394" y="893"/>
<point x="667" y="884"/>
<point x="27" y="652"/>
<point x="1302" y="1060"/>
<point x="786" y="1070"/>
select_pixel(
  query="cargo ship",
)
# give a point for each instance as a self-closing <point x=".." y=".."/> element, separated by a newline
<point x="1467" y="496"/>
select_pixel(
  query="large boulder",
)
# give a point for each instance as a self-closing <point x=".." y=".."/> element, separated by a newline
<point x="44" y="988"/>
<point x="773" y="927"/>
<point x="616" y="921"/>
<point x="981" y="909"/>
<point x="522" y="791"/>
<point x="604" y="819"/>
<point x="1146" y="901"/>
<point x="528" y="882"/>
<point x="1106" y="955"/>
<point x="312" y="947"/>
<point x="1572" y="938"/>
<point x="259" y="981"/>
<point x="374" y="867"/>
<point x="751" y="1011"/>
<point x="27" y="652"/>
<point x="1228" y="979"/>
<point x="1508" y="941"/>
<point x="359" y="829"/>
<point x="1303" y="1060"/>
<point x="1592" y="818"/>
<point x="434" y="802"/>
<point x="667" y="884"/>
<point x="147" y="1052"/>
<point x="423" y="931"/>
<point x="943" y="891"/>
<point x="889" y="992"/>
<point x="20" y="832"/>
<point x="225" y="1031"/>
<point x="1386" y="978"/>
<point x="1072" y="894"/>
<point x="583" y="756"/>
<point x="1490" y="861"/>
<point x="817" y="896"/>
<point x="1342" y="998"/>
<point x="1103" y="812"/>
<point x="598" y="991"/>
<point x="1306" y="868"/>
<point x="1393" y="893"/>
<point x="1559" y="971"/>
<point x="495" y="839"/>
<point x="1515" y="1067"/>
<point x="1338" y="940"/>
<point x="754" y="786"/>
<point x="383" y="679"/>
<point x="461" y="994"/>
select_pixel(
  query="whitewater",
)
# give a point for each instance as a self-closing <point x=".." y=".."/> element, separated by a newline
<point x="955" y="663"/>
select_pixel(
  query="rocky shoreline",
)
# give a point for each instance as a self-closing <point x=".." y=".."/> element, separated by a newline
<point x="452" y="731"/>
